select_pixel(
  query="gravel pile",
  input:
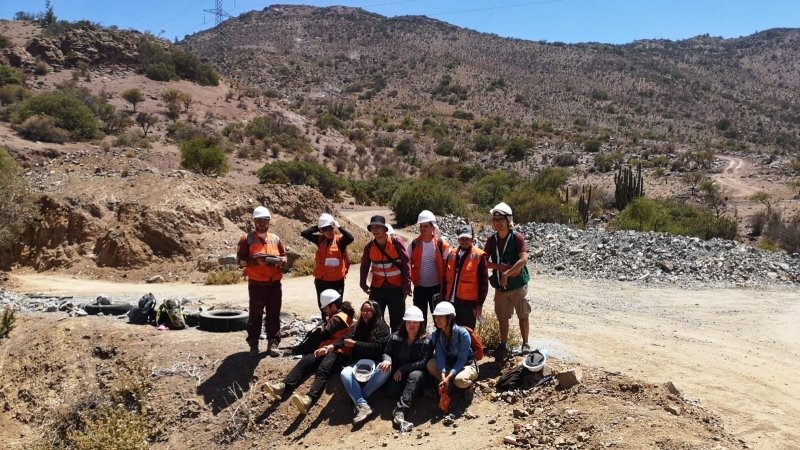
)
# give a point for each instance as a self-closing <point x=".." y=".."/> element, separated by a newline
<point x="660" y="258"/>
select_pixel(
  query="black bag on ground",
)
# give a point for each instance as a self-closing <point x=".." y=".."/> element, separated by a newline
<point x="146" y="311"/>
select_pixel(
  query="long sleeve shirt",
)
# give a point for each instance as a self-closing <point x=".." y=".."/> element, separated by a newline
<point x="312" y="234"/>
<point x="407" y="357"/>
<point x="405" y="265"/>
<point x="367" y="349"/>
<point x="459" y="350"/>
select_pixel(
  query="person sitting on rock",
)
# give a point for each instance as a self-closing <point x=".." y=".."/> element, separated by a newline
<point x="404" y="359"/>
<point x="453" y="361"/>
<point x="331" y="262"/>
<point x="324" y="360"/>
<point x="364" y="342"/>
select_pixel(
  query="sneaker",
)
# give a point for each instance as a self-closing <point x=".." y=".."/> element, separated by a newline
<point x="274" y="389"/>
<point x="363" y="413"/>
<point x="253" y="350"/>
<point x="526" y="348"/>
<point x="398" y="417"/>
<point x="302" y="403"/>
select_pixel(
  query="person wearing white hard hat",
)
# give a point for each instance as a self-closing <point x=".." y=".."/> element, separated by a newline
<point x="331" y="261"/>
<point x="466" y="279"/>
<point x="427" y="256"/>
<point x="453" y="361"/>
<point x="364" y="344"/>
<point x="404" y="363"/>
<point x="387" y="259"/>
<point x="320" y="355"/>
<point x="261" y="255"/>
<point x="508" y="256"/>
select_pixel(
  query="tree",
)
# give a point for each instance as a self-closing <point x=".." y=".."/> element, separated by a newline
<point x="714" y="197"/>
<point x="146" y="120"/>
<point x="203" y="157"/>
<point x="49" y="16"/>
<point x="763" y="198"/>
<point x="133" y="96"/>
<point x="692" y="179"/>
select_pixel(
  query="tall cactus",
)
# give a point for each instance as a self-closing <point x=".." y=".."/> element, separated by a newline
<point x="628" y="186"/>
<point x="583" y="204"/>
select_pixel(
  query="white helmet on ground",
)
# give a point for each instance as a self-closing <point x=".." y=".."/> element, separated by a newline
<point x="413" y="314"/>
<point x="325" y="220"/>
<point x="535" y="360"/>
<point x="444" y="309"/>
<point x="328" y="296"/>
<point x="425" y="216"/>
<point x="261" y="213"/>
<point x="501" y="208"/>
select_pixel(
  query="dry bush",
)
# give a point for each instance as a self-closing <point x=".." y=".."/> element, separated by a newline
<point x="7" y="322"/>
<point x="488" y="329"/>
<point x="110" y="427"/>
<point x="303" y="266"/>
<point x="224" y="276"/>
<point x="42" y="128"/>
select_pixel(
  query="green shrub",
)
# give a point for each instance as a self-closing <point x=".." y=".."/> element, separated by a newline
<point x="517" y="147"/>
<point x="11" y="75"/>
<point x="413" y="196"/>
<point x="565" y="160"/>
<point x="68" y="113"/>
<point x="493" y="188"/>
<point x="444" y="148"/>
<point x="592" y="146"/>
<point x="199" y="156"/>
<point x="302" y="173"/>
<point x="7" y="322"/>
<point x="16" y="203"/>
<point x="532" y="205"/>
<point x="271" y="131"/>
<point x="458" y="114"/>
<point x="379" y="190"/>
<point x="405" y="147"/>
<point x="133" y="138"/>
<point x="183" y="131"/>
<point x="327" y="120"/>
<point x="189" y="67"/>
<point x="4" y="41"/>
<point x="648" y="214"/>
<point x="161" y="71"/>
<point x="42" y="128"/>
<point x="134" y="96"/>
<point x="12" y="93"/>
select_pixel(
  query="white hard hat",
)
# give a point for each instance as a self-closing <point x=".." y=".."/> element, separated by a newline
<point x="444" y="309"/>
<point x="328" y="296"/>
<point x="535" y="360"/>
<point x="325" y="220"/>
<point x="425" y="216"/>
<point x="261" y="213"/>
<point x="413" y="314"/>
<point x="501" y="208"/>
<point x="363" y="370"/>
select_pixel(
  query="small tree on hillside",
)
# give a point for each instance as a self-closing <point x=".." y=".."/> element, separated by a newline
<point x="714" y="197"/>
<point x="692" y="179"/>
<point x="133" y="96"/>
<point x="146" y="120"/>
<point x="202" y="157"/>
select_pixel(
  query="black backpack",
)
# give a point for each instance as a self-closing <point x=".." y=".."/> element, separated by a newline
<point x="146" y="311"/>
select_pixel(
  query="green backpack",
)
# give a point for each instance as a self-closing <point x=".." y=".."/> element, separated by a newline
<point x="170" y="313"/>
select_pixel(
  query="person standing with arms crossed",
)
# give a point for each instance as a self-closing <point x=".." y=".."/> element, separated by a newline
<point x="261" y="255"/>
<point x="387" y="259"/>
<point x="331" y="262"/>
<point x="508" y="256"/>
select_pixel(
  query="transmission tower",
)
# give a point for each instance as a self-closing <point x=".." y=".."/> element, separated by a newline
<point x="219" y="13"/>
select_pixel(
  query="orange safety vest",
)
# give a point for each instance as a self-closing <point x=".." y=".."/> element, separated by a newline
<point x="385" y="270"/>
<point x="339" y="335"/>
<point x="467" y="289"/>
<point x="257" y="272"/>
<point x="331" y="263"/>
<point x="439" y="246"/>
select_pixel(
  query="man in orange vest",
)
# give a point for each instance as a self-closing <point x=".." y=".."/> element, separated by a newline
<point x="466" y="279"/>
<point x="387" y="259"/>
<point x="428" y="254"/>
<point x="331" y="262"/>
<point x="261" y="255"/>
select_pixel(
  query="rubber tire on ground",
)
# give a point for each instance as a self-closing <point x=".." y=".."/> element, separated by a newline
<point x="223" y="320"/>
<point x="114" y="309"/>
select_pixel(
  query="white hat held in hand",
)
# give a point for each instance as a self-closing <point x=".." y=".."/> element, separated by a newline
<point x="325" y="220"/>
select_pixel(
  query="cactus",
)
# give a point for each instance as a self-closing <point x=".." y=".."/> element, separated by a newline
<point x="627" y="186"/>
<point x="583" y="204"/>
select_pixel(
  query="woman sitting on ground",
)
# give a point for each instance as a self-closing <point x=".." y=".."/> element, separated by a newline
<point x="324" y="360"/>
<point x="454" y="361"/>
<point x="406" y="353"/>
<point x="365" y="341"/>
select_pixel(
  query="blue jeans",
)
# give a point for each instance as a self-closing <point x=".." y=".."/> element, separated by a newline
<point x="354" y="389"/>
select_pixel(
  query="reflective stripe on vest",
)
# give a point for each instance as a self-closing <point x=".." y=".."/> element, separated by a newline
<point x="385" y="271"/>
<point x="330" y="262"/>
<point x="466" y="278"/>
<point x="269" y="246"/>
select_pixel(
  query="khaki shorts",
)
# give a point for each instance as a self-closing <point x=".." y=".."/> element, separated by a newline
<point x="506" y="302"/>
<point x="462" y="380"/>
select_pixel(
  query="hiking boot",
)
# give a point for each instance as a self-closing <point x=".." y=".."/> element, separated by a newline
<point x="302" y="403"/>
<point x="272" y="350"/>
<point x="501" y="352"/>
<point x="363" y="411"/>
<point x="526" y="348"/>
<point x="398" y="417"/>
<point x="253" y="350"/>
<point x="469" y="393"/>
<point x="274" y="389"/>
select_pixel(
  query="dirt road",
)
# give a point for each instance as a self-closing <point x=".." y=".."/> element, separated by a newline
<point x="736" y="350"/>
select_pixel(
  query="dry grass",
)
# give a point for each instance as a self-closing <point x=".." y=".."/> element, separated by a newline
<point x="224" y="276"/>
<point x="488" y="330"/>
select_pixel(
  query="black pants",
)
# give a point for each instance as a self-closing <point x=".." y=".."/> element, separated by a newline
<point x="324" y="367"/>
<point x="408" y="388"/>
<point x="322" y="285"/>
<point x="465" y="314"/>
<point x="393" y="299"/>
<point x="423" y="299"/>
<point x="265" y="305"/>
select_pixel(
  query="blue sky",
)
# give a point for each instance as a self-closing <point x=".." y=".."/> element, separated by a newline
<point x="610" y="21"/>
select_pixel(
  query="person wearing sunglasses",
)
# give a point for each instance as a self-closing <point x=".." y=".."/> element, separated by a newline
<point x="331" y="262"/>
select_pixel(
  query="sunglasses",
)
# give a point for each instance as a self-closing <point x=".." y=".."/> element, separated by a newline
<point x="326" y="229"/>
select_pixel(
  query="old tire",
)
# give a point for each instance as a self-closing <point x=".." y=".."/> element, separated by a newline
<point x="114" y="309"/>
<point x="223" y="320"/>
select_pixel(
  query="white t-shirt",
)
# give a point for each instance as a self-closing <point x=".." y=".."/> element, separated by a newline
<point x="428" y="270"/>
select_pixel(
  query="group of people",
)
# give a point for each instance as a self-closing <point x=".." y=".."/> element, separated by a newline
<point x="450" y="282"/>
